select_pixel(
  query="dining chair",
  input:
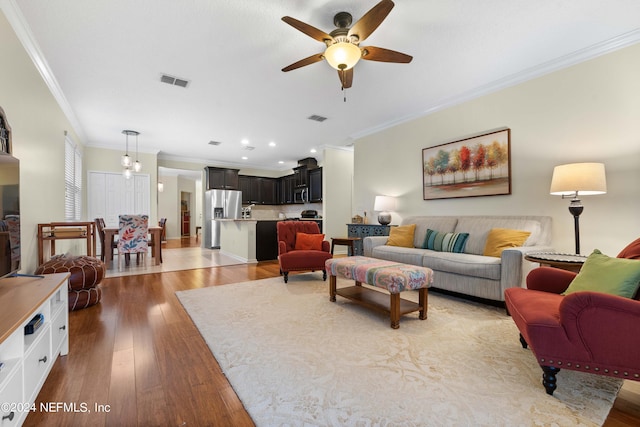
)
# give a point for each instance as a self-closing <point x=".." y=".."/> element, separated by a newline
<point x="100" y="226"/>
<point x="162" y="224"/>
<point x="132" y="236"/>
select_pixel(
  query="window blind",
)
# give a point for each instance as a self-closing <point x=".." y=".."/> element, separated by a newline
<point x="73" y="181"/>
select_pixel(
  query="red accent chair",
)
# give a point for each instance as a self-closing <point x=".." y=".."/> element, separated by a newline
<point x="292" y="259"/>
<point x="584" y="331"/>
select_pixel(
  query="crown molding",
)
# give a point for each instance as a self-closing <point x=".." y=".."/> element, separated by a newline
<point x="23" y="32"/>
<point x="574" y="58"/>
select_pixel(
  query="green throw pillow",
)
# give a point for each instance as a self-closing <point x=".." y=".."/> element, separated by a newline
<point x="445" y="242"/>
<point x="600" y="273"/>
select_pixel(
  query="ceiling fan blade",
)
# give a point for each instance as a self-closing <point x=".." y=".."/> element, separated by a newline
<point x="371" y="20"/>
<point x="373" y="53"/>
<point x="306" y="61"/>
<point x="346" y="78"/>
<point x="309" y="30"/>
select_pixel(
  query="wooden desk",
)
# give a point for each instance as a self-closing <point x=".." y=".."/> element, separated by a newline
<point x="563" y="261"/>
<point x="156" y="244"/>
<point x="53" y="231"/>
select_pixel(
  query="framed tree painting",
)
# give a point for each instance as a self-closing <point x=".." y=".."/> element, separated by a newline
<point x="471" y="167"/>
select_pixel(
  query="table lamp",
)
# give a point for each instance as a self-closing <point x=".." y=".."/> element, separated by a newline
<point x="573" y="180"/>
<point x="384" y="204"/>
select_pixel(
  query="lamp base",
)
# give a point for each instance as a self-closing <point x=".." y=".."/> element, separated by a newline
<point x="384" y="218"/>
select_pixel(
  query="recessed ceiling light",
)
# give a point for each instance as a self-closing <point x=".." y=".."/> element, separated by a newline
<point x="313" y="150"/>
<point x="244" y="142"/>
<point x="245" y="158"/>
<point x="272" y="144"/>
<point x="281" y="162"/>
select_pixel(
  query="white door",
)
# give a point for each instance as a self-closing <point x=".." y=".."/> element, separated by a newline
<point x="109" y="194"/>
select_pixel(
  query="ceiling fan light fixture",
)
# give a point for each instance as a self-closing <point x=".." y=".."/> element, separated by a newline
<point x="342" y="55"/>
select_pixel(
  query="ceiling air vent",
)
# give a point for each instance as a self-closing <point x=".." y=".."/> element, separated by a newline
<point x="215" y="142"/>
<point x="248" y="148"/>
<point x="175" y="81"/>
<point x="317" y="118"/>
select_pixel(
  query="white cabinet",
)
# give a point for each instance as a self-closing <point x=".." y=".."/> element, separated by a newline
<point x="110" y="194"/>
<point x="28" y="358"/>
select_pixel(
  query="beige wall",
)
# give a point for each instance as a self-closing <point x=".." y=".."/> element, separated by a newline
<point x="38" y="126"/>
<point x="106" y="160"/>
<point x="588" y="112"/>
<point x="337" y="176"/>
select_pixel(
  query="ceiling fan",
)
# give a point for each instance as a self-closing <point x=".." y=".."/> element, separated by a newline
<point x="343" y="44"/>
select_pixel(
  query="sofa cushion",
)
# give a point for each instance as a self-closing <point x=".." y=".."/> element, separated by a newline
<point x="444" y="224"/>
<point x="478" y="228"/>
<point x="445" y="242"/>
<point x="500" y="239"/>
<point x="600" y="273"/>
<point x="399" y="254"/>
<point x="463" y="264"/>
<point x="402" y="236"/>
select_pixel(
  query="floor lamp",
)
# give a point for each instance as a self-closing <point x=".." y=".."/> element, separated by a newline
<point x="578" y="179"/>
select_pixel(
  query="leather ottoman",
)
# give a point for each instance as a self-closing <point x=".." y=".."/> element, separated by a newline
<point x="86" y="274"/>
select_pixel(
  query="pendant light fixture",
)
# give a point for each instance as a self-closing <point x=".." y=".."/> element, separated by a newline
<point x="125" y="160"/>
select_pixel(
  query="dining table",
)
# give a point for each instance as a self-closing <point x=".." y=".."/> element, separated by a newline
<point x="155" y="243"/>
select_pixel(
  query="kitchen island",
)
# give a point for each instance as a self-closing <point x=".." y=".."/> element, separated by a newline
<point x="238" y="239"/>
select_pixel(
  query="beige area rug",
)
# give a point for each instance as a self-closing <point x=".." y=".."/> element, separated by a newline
<point x="173" y="260"/>
<point x="296" y="359"/>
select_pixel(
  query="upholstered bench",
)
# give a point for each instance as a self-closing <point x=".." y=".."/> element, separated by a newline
<point x="392" y="276"/>
<point x="86" y="273"/>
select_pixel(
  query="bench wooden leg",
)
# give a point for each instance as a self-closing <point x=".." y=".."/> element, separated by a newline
<point x="423" y="295"/>
<point x="395" y="310"/>
<point x="332" y="288"/>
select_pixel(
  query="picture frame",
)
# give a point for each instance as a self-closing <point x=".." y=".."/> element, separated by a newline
<point x="471" y="167"/>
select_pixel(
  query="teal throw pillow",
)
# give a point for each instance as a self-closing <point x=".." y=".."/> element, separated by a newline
<point x="445" y="242"/>
<point x="600" y="273"/>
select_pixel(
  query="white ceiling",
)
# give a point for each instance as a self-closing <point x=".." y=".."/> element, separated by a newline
<point x="107" y="56"/>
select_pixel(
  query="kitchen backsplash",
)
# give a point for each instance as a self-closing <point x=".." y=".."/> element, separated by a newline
<point x="289" y="211"/>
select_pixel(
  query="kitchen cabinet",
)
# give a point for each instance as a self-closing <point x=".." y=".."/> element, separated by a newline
<point x="315" y="185"/>
<point x="301" y="174"/>
<point x="258" y="190"/>
<point x="266" y="240"/>
<point x="222" y="178"/>
<point x="244" y="185"/>
<point x="287" y="187"/>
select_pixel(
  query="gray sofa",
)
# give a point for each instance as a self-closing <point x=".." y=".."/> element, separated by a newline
<point x="469" y="273"/>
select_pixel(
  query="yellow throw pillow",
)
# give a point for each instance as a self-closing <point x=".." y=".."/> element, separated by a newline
<point x="402" y="236"/>
<point x="500" y="239"/>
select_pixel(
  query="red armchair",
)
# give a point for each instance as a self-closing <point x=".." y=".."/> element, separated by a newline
<point x="307" y="258"/>
<point x="583" y="331"/>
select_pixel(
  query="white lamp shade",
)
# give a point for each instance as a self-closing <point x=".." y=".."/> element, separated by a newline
<point x="342" y="55"/>
<point x="384" y="203"/>
<point x="585" y="179"/>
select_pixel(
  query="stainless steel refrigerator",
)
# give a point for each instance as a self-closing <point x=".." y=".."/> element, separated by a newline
<point x="219" y="204"/>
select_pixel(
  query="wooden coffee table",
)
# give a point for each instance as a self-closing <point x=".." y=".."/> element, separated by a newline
<point x="393" y="276"/>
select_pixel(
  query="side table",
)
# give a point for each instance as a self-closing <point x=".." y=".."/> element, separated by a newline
<point x="568" y="262"/>
<point x="345" y="241"/>
<point x="364" y="230"/>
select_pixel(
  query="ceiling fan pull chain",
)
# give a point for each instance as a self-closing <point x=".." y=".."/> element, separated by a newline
<point x="344" y="92"/>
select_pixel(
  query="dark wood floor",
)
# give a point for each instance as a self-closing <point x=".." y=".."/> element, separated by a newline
<point x="136" y="359"/>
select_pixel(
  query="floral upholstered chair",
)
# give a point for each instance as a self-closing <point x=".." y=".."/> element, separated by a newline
<point x="132" y="236"/>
